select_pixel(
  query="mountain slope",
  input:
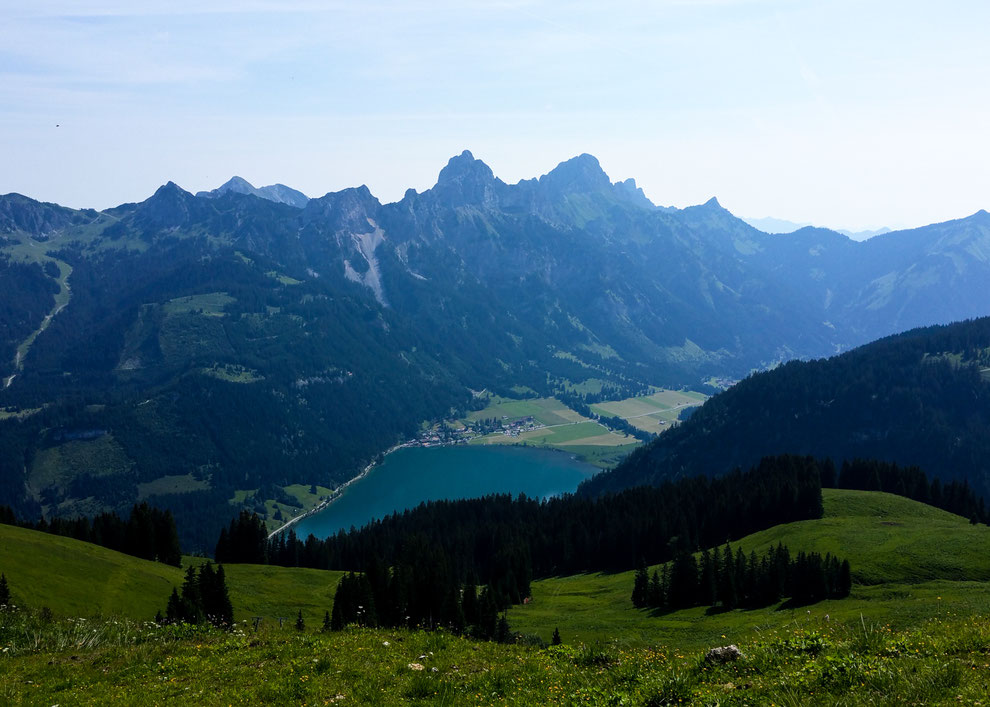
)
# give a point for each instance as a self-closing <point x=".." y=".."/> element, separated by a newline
<point x="919" y="398"/>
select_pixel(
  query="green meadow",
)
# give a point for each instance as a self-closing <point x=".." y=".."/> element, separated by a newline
<point x="912" y="632"/>
<point x="910" y="562"/>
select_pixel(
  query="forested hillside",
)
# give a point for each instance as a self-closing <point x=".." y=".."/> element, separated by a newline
<point x="920" y="398"/>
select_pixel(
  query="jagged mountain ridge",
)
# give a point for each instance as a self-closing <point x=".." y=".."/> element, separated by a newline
<point x="292" y="344"/>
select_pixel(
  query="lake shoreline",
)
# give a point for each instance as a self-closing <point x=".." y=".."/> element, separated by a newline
<point x="436" y="472"/>
<point x="337" y="492"/>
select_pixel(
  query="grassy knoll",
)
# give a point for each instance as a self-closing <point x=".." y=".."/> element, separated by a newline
<point x="271" y="592"/>
<point x="888" y="538"/>
<point x="73" y="578"/>
<point x="822" y="663"/>
<point x="910" y="562"/>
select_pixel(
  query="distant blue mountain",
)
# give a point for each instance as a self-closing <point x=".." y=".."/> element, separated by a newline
<point x="278" y="193"/>
<point x="776" y="225"/>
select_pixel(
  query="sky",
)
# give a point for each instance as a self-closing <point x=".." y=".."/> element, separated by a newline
<point x="843" y="114"/>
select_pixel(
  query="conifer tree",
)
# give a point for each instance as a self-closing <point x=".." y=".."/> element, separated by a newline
<point x="469" y="603"/>
<point x="300" y="624"/>
<point x="708" y="590"/>
<point x="4" y="591"/>
<point x="174" y="611"/>
<point x="728" y="597"/>
<point x="502" y="633"/>
<point x="555" y="639"/>
<point x="487" y="615"/>
<point x="656" y="596"/>
<point x="326" y="622"/>
<point x="844" y="583"/>
<point x="641" y="589"/>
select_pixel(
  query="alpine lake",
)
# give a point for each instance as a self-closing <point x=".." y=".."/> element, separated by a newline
<point x="411" y="475"/>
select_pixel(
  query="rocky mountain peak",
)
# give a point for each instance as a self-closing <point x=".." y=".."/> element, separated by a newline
<point x="581" y="174"/>
<point x="466" y="180"/>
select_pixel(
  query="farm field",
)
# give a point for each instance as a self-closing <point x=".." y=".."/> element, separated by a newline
<point x="210" y="304"/>
<point x="652" y="413"/>
<point x="547" y="411"/>
<point x="177" y="483"/>
<point x="586" y="433"/>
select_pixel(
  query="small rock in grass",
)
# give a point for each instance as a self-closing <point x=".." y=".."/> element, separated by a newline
<point x="415" y="666"/>
<point x="723" y="654"/>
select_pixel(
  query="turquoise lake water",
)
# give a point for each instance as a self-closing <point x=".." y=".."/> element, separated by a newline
<point x="412" y="475"/>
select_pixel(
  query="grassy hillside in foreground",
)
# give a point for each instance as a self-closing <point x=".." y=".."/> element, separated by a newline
<point x="820" y="663"/>
<point x="74" y="578"/>
<point x="909" y="561"/>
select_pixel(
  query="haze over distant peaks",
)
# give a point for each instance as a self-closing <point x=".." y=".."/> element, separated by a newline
<point x="777" y="225"/>
<point x="274" y="192"/>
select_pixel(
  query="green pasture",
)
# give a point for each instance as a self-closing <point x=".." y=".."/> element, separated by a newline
<point x="210" y="304"/>
<point x="910" y="562"/>
<point x="177" y="483"/>
<point x="547" y="411"/>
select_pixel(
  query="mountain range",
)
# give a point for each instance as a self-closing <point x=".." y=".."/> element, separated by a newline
<point x="285" y="339"/>
<point x="769" y="224"/>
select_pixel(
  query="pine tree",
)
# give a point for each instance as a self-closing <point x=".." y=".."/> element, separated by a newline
<point x="641" y="589"/>
<point x="844" y="583"/>
<point x="708" y="590"/>
<point x="469" y="603"/>
<point x="174" y="611"/>
<point x="300" y="624"/>
<point x="656" y="597"/>
<point x="487" y="615"/>
<point x="502" y="633"/>
<point x="214" y="596"/>
<point x="683" y="581"/>
<point x="728" y="595"/>
<point x="326" y="622"/>
<point x="555" y="640"/>
<point x="4" y="591"/>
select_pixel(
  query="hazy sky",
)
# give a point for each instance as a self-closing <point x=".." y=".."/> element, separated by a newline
<point x="846" y="114"/>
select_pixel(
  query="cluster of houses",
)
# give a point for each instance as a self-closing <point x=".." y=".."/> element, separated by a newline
<point x="442" y="434"/>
